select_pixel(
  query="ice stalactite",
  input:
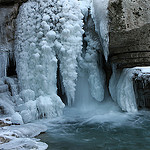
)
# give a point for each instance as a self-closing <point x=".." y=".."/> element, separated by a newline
<point x="71" y="45"/>
<point x="122" y="91"/>
<point x="99" y="13"/>
<point x="46" y="29"/>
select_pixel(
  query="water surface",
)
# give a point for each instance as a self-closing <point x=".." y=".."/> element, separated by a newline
<point x="98" y="130"/>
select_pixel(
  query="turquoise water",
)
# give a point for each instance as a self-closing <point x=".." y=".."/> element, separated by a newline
<point x="111" y="130"/>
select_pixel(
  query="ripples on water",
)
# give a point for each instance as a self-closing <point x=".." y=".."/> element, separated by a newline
<point x="98" y="130"/>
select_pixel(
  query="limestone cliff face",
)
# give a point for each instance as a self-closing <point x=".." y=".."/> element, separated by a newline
<point x="129" y="31"/>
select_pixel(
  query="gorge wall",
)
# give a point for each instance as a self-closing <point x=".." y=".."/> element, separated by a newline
<point x="129" y="33"/>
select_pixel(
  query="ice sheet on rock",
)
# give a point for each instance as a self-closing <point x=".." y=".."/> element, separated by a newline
<point x="143" y="69"/>
<point x="8" y="93"/>
<point x="3" y="64"/>
<point x="121" y="89"/>
<point x="24" y="144"/>
<point x="3" y="88"/>
<point x="21" y="137"/>
<point x="12" y="84"/>
<point x="7" y="106"/>
<point x="49" y="106"/>
<point x="5" y="46"/>
<point x="99" y="13"/>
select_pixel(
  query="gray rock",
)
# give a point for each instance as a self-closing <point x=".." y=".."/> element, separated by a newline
<point x="142" y="90"/>
<point x="129" y="31"/>
<point x="10" y="2"/>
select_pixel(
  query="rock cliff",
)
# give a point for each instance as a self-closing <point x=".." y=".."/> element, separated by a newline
<point x="129" y="32"/>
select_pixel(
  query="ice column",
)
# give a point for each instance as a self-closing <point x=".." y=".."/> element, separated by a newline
<point x="99" y="13"/>
<point x="121" y="89"/>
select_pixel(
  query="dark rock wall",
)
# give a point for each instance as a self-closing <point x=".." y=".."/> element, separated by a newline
<point x="142" y="90"/>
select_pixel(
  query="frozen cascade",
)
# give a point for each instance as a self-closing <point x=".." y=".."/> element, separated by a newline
<point x="99" y="13"/>
<point x="46" y="32"/>
<point x="121" y="89"/>
<point x="91" y="78"/>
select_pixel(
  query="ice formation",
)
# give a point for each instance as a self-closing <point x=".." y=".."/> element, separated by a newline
<point x="91" y="78"/>
<point x="49" y="36"/>
<point x="121" y="89"/>
<point x="99" y="13"/>
<point x="21" y="137"/>
<point x="47" y="32"/>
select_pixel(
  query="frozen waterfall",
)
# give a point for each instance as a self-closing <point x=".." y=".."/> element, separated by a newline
<point x="69" y="37"/>
<point x="61" y="54"/>
<point x="43" y="37"/>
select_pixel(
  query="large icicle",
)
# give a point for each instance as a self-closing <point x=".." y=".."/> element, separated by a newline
<point x="99" y="12"/>
<point x="121" y="89"/>
<point x="71" y="45"/>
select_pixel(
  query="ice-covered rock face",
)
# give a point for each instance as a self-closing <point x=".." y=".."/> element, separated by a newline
<point x="122" y="91"/>
<point x="7" y="28"/>
<point x="47" y="31"/>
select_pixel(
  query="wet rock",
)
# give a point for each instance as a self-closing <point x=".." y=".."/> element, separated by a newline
<point x="4" y="140"/>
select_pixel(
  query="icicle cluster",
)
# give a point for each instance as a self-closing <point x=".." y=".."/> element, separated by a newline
<point x="47" y="31"/>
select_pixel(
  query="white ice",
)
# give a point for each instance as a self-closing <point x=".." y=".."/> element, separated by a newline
<point x="20" y="137"/>
<point x="99" y="13"/>
<point x="122" y="91"/>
